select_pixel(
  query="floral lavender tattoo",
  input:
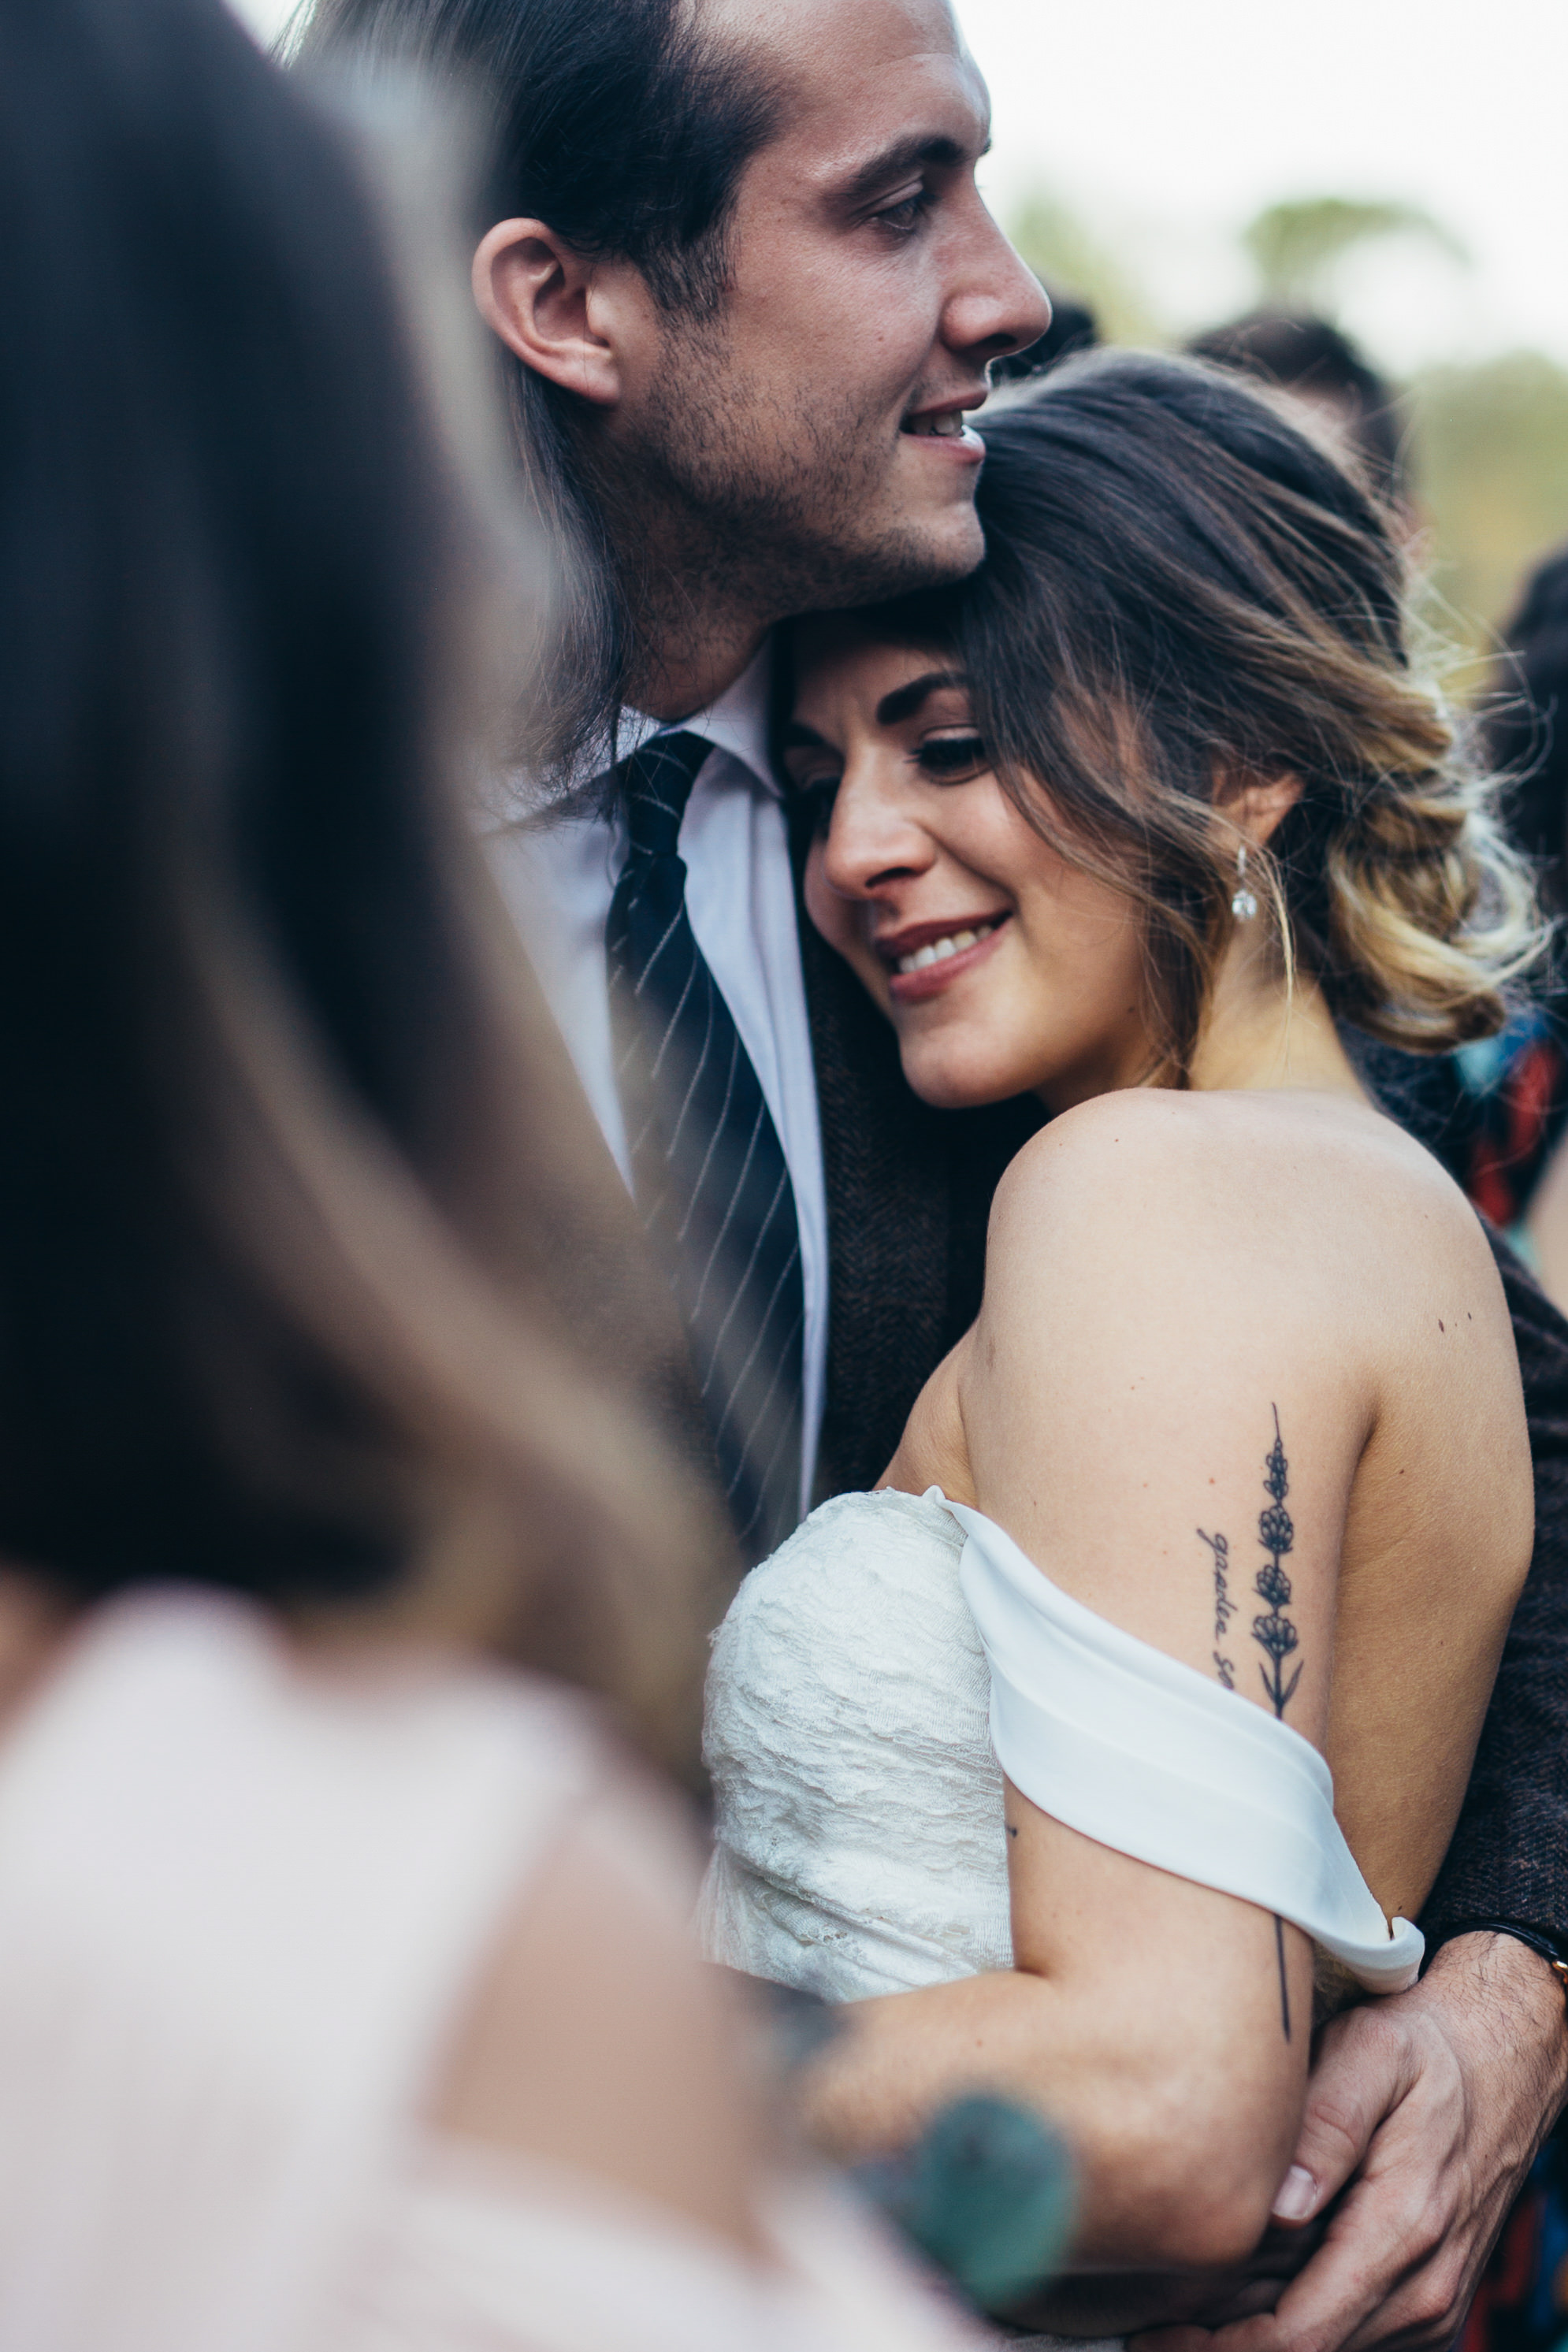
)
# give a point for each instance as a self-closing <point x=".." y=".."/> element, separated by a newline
<point x="1273" y="1632"/>
<point x="1275" y="1533"/>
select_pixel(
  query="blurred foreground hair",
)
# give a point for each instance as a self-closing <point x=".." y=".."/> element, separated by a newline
<point x="287" y="1214"/>
<point x="1183" y="592"/>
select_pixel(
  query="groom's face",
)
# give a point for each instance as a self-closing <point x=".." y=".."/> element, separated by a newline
<point x="812" y="436"/>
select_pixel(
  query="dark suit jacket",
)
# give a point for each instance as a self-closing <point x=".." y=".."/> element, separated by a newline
<point x="908" y="1189"/>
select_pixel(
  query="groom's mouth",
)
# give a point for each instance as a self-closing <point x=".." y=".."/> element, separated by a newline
<point x="948" y="424"/>
<point x="923" y="959"/>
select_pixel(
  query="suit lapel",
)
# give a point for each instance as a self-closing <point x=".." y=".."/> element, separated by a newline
<point x="612" y="1293"/>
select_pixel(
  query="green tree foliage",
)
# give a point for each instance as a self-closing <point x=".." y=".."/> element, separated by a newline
<point x="1297" y="248"/>
<point x="1489" y="451"/>
<point x="1071" y="259"/>
<point x="1487" y="441"/>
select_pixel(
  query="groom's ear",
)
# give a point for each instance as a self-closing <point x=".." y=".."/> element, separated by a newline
<point x="564" y="315"/>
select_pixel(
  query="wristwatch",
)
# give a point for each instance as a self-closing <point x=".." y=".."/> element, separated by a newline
<point x="1553" y="1949"/>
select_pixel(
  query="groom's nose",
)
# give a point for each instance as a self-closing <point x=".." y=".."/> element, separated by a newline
<point x="873" y="841"/>
<point x="996" y="304"/>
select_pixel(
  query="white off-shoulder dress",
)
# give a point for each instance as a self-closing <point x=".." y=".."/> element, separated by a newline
<point x="869" y="1686"/>
<point x="872" y="1681"/>
<point x="243" y="1905"/>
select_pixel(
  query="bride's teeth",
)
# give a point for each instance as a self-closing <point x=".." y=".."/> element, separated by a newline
<point x="937" y="950"/>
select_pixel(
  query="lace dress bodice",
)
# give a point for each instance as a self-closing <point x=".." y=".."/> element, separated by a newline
<point x="860" y="1847"/>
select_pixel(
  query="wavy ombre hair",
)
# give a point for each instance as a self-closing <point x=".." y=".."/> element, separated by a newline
<point x="1183" y="591"/>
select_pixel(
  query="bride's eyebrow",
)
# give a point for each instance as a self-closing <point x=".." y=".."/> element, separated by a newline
<point x="905" y="701"/>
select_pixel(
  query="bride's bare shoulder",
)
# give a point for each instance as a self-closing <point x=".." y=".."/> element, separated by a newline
<point x="1285" y="1185"/>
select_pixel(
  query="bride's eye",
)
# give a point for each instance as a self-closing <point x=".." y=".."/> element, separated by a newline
<point x="952" y="759"/>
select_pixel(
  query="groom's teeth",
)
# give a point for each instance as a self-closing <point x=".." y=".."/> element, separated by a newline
<point x="937" y="950"/>
<point x="947" y="427"/>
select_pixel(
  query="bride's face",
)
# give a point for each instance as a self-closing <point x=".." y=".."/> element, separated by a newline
<point x="1004" y="968"/>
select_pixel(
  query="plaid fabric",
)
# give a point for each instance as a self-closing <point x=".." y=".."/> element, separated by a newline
<point x="1518" y="1087"/>
<point x="1522" y="2300"/>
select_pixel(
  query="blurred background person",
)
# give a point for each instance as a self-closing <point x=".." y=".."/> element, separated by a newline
<point x="1529" y="727"/>
<point x="1319" y="365"/>
<point x="344" y="1991"/>
<point x="1518" y="1172"/>
<point x="1073" y="328"/>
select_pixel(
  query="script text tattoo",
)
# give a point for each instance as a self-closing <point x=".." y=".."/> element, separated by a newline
<point x="1224" y="1606"/>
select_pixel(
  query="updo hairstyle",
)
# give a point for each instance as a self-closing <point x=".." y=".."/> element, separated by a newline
<point x="1183" y="591"/>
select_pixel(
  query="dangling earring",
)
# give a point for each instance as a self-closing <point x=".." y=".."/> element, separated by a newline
<point x="1244" y="904"/>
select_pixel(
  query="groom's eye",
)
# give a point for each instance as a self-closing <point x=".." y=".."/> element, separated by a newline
<point x="952" y="759"/>
<point x="908" y="213"/>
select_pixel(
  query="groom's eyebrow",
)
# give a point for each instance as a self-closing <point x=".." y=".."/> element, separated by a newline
<point x="905" y="701"/>
<point x="928" y="151"/>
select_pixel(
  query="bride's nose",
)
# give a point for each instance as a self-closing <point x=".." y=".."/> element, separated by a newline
<point x="873" y="839"/>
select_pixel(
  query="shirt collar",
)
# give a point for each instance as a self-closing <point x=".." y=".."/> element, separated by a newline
<point x="736" y="722"/>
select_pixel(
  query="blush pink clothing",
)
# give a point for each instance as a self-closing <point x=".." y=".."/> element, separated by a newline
<point x="243" y="1901"/>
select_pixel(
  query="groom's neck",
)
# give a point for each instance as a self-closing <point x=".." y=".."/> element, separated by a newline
<point x="689" y="654"/>
<point x="697" y="600"/>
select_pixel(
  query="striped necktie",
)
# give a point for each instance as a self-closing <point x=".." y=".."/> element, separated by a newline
<point x="708" y="1167"/>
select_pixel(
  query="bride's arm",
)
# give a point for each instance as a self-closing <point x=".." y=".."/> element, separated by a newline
<point x="1153" y="1371"/>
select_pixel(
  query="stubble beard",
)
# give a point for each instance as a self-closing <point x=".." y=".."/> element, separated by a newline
<point x="732" y="506"/>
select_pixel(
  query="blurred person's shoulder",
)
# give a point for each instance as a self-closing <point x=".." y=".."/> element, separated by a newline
<point x="596" y="2040"/>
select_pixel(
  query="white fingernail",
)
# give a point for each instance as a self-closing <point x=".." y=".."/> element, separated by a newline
<point x="1296" y="2195"/>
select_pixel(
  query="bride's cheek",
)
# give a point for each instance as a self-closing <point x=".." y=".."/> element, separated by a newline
<point x="821" y="901"/>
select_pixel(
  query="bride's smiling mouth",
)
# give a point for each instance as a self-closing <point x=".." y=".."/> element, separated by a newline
<point x="924" y="958"/>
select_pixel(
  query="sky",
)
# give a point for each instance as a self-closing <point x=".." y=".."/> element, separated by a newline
<point x="1166" y="124"/>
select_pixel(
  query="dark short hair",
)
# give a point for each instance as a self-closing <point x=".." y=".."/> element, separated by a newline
<point x="1527" y="723"/>
<point x="1074" y="328"/>
<point x="269" y="1148"/>
<point x="624" y="128"/>
<point x="1297" y="352"/>
<point x="1180" y="589"/>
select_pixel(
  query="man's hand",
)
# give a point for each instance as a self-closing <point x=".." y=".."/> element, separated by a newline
<point x="1436" y="2100"/>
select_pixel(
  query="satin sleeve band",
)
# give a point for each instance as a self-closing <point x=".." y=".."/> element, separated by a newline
<point x="1148" y="1756"/>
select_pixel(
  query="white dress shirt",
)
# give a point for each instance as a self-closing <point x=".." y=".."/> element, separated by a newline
<point x="559" y="878"/>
